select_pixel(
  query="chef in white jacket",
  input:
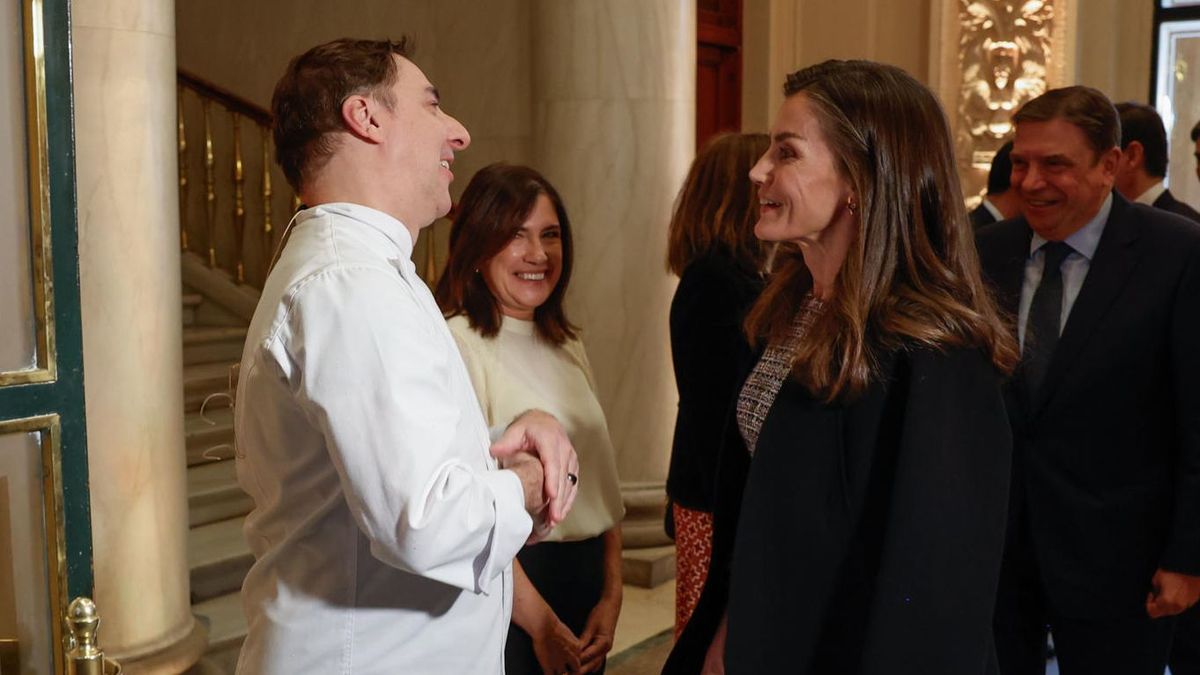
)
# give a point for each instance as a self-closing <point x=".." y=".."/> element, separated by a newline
<point x="384" y="527"/>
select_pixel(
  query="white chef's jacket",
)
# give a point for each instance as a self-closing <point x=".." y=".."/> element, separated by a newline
<point x="382" y="533"/>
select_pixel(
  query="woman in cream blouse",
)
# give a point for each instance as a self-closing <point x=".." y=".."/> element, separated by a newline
<point x="502" y="291"/>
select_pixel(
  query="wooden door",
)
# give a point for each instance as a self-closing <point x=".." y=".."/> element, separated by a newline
<point x="718" y="68"/>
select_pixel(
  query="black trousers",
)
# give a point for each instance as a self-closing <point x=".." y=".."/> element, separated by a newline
<point x="1131" y="645"/>
<point x="570" y="576"/>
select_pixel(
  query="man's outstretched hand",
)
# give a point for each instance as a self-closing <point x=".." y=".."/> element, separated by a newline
<point x="538" y="433"/>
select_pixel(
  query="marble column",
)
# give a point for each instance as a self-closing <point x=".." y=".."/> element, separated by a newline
<point x="124" y="79"/>
<point x="614" y="119"/>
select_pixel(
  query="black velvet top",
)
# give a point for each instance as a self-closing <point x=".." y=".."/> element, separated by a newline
<point x="710" y="355"/>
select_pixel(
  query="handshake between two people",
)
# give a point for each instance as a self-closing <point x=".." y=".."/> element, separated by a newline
<point x="536" y="448"/>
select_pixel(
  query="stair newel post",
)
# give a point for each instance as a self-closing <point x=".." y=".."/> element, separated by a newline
<point x="268" y="234"/>
<point x="84" y="656"/>
<point x="183" y="169"/>
<point x="239" y="199"/>
<point x="210" y="185"/>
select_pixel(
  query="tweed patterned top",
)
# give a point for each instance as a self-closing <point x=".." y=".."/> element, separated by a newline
<point x="761" y="388"/>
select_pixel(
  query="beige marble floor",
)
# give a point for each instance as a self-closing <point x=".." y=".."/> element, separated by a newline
<point x="645" y="612"/>
<point x="643" y="637"/>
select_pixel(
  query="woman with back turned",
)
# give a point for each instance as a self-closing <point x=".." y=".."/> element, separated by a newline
<point x="869" y="535"/>
<point x="711" y="246"/>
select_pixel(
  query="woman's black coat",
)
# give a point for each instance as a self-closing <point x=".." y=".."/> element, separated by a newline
<point x="869" y="536"/>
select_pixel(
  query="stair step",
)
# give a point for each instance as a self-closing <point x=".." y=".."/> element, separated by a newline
<point x="206" y="378"/>
<point x="203" y="334"/>
<point x="648" y="567"/>
<point x="226" y="620"/>
<point x="218" y="558"/>
<point x="227" y="352"/>
<point x="211" y="344"/>
<point x="214" y="493"/>
<point x="202" y="434"/>
<point x="212" y="314"/>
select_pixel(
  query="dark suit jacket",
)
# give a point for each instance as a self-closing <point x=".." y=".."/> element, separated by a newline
<point x="707" y="348"/>
<point x="1106" y="469"/>
<point x="870" y="533"/>
<point x="1167" y="202"/>
<point x="980" y="216"/>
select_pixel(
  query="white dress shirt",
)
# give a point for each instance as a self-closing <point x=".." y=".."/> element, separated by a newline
<point x="382" y="533"/>
<point x="1075" y="266"/>
<point x="1152" y="194"/>
<point x="517" y="370"/>
<point x="991" y="208"/>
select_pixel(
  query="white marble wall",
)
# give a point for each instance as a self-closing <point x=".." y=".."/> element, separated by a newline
<point x="1112" y="47"/>
<point x="124" y="74"/>
<point x="614" y="110"/>
<point x="782" y="36"/>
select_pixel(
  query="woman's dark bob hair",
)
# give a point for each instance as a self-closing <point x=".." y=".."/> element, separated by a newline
<point x="492" y="210"/>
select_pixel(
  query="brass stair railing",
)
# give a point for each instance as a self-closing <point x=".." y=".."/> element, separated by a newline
<point x="225" y="138"/>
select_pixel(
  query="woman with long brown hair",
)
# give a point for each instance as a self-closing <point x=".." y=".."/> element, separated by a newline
<point x="711" y="246"/>
<point x="869" y="535"/>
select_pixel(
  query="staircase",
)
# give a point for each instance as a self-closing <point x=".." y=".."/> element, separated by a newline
<point x="215" y="316"/>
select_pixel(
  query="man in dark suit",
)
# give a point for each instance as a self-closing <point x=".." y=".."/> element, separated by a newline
<point x="1104" y="534"/>
<point x="1001" y="201"/>
<point x="1143" y="165"/>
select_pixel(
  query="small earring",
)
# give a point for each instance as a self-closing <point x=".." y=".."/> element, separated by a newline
<point x="851" y="205"/>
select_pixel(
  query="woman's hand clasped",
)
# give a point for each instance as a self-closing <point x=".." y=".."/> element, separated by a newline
<point x="597" y="637"/>
<point x="556" y="648"/>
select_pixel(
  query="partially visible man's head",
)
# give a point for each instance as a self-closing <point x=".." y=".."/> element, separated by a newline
<point x="1000" y="175"/>
<point x="1143" y="149"/>
<point x="1065" y="158"/>
<point x="1196" y="140"/>
<point x="307" y="103"/>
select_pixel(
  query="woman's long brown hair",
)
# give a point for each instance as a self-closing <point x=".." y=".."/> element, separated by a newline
<point x="717" y="205"/>
<point x="912" y="276"/>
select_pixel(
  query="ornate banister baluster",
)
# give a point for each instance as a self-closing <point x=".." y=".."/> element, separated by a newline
<point x="268" y="228"/>
<point x="183" y="174"/>
<point x="210" y="185"/>
<point x="239" y="200"/>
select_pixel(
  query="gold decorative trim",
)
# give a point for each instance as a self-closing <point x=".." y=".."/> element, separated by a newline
<point x="46" y="368"/>
<point x="52" y="502"/>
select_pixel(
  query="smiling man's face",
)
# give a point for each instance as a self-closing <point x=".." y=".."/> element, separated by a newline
<point x="1061" y="180"/>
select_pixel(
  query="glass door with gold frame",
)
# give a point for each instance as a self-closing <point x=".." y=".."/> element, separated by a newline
<point x="45" y="530"/>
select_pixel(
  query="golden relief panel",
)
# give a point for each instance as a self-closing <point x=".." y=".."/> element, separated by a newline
<point x="996" y="56"/>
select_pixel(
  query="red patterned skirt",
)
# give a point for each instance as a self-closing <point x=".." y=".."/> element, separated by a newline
<point x="693" y="550"/>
